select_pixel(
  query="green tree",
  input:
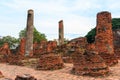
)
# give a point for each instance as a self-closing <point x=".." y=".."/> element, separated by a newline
<point x="91" y="34"/>
<point x="115" y="23"/>
<point x="37" y="36"/>
<point x="12" y="41"/>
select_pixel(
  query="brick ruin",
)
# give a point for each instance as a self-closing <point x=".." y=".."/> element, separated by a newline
<point x="44" y="47"/>
<point x="50" y="62"/>
<point x="6" y="55"/>
<point x="39" y="48"/>
<point x="22" y="47"/>
<point x="96" y="57"/>
<point x="5" y="50"/>
<point x="79" y="42"/>
<point x="104" y="38"/>
<point x="116" y="41"/>
<point x="88" y="63"/>
<point x="88" y="59"/>
<point x="91" y="47"/>
<point x="75" y="43"/>
<point x="45" y="51"/>
<point x="71" y="47"/>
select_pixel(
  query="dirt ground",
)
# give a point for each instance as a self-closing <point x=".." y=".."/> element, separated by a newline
<point x="10" y="72"/>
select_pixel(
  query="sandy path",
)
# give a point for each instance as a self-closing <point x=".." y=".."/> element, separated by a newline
<point x="10" y="71"/>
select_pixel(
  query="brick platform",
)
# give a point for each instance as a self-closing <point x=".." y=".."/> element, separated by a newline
<point x="89" y="63"/>
<point x="50" y="62"/>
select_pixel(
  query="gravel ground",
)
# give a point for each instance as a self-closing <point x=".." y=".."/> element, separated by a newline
<point x="10" y="72"/>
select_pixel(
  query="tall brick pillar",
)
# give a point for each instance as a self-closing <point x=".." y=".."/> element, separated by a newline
<point x="61" y="32"/>
<point x="104" y="37"/>
<point x="29" y="34"/>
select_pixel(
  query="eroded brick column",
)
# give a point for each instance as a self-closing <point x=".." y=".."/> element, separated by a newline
<point x="22" y="47"/>
<point x="61" y="32"/>
<point x="104" y="37"/>
<point x="29" y="34"/>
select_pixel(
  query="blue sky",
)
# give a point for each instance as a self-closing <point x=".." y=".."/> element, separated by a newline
<point x="79" y="16"/>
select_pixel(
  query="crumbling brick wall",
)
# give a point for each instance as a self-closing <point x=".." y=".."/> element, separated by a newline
<point x="44" y="47"/>
<point x="22" y="47"/>
<point x="91" y="47"/>
<point x="39" y="48"/>
<point x="5" y="49"/>
<point x="79" y="42"/>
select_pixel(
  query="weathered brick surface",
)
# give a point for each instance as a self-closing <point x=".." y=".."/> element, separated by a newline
<point x="68" y="49"/>
<point x="89" y="63"/>
<point x="39" y="48"/>
<point x="91" y="47"/>
<point x="104" y="37"/>
<point x="50" y="62"/>
<point x="51" y="46"/>
<point x="72" y="45"/>
<point x="79" y="42"/>
<point x="12" y="59"/>
<point x="22" y="47"/>
<point x="116" y="41"/>
<point x="44" y="47"/>
<point x="5" y="49"/>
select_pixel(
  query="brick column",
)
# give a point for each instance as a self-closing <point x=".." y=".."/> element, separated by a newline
<point x="29" y="34"/>
<point x="104" y="37"/>
<point x="61" y="32"/>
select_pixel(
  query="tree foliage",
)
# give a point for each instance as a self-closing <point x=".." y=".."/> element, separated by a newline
<point x="37" y="36"/>
<point x="91" y="34"/>
<point x="115" y="23"/>
<point x="12" y="41"/>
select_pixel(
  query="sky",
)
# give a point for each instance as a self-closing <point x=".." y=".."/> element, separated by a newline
<point x="79" y="16"/>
